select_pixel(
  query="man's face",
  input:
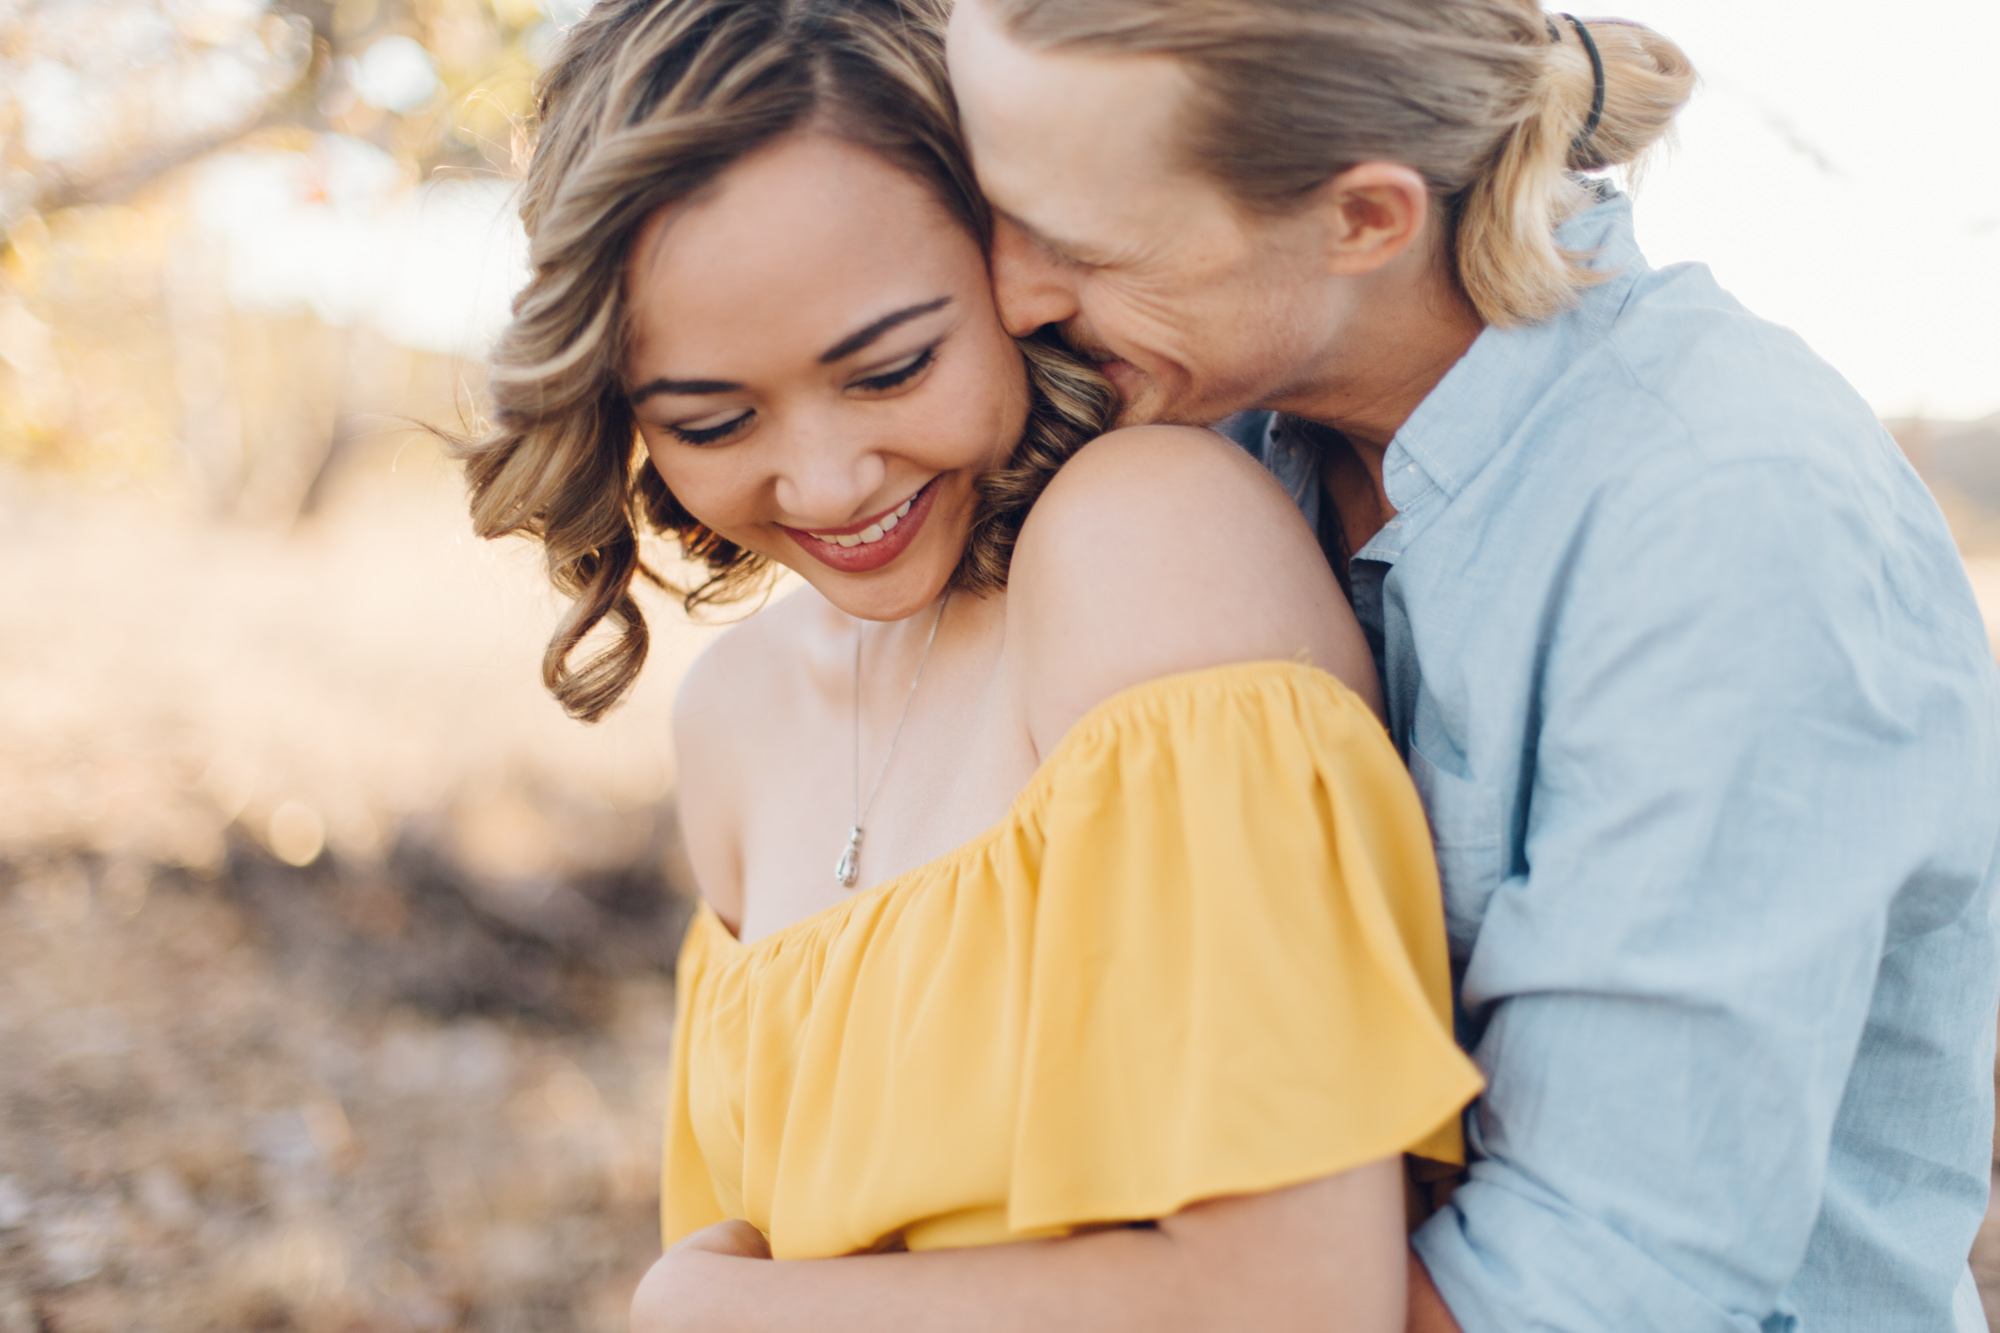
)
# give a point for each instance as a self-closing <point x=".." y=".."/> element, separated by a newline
<point x="1193" y="308"/>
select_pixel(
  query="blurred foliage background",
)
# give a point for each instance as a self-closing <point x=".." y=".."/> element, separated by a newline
<point x="334" y="960"/>
<point x="231" y="229"/>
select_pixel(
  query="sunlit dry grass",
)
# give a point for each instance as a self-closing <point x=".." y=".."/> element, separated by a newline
<point x="243" y="1095"/>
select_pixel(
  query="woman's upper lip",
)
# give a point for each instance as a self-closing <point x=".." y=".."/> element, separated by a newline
<point x="864" y="524"/>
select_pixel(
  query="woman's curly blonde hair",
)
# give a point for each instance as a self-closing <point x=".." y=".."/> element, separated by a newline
<point x="647" y="102"/>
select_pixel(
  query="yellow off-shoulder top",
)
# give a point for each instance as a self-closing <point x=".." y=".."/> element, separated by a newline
<point x="1203" y="954"/>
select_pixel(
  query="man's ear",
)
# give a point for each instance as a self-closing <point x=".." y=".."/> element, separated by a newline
<point x="1370" y="214"/>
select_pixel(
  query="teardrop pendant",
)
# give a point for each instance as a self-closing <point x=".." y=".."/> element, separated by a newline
<point x="849" y="867"/>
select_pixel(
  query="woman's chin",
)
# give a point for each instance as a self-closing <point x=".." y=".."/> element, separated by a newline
<point x="882" y="599"/>
<point x="895" y="591"/>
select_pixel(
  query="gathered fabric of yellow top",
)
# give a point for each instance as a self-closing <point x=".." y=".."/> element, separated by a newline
<point x="1202" y="955"/>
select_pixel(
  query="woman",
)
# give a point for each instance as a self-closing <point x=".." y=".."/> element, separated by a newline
<point x="1067" y="915"/>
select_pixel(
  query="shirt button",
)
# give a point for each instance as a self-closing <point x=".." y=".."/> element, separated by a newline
<point x="1409" y="467"/>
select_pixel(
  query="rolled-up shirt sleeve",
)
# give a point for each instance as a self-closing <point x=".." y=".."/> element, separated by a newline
<point x="1749" y="783"/>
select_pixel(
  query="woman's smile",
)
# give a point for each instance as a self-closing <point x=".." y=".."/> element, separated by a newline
<point x="873" y="542"/>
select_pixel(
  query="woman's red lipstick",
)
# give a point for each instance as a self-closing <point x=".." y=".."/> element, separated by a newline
<point x="864" y="557"/>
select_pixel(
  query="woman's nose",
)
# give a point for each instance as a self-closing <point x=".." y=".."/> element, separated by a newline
<point x="1030" y="287"/>
<point x="828" y="475"/>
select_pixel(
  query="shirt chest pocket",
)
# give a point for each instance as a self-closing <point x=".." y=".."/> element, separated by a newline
<point x="1469" y="832"/>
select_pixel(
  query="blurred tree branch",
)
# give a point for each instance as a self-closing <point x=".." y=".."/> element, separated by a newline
<point x="58" y="190"/>
<point x="296" y="105"/>
<point x="39" y="187"/>
<point x="53" y="187"/>
<point x="131" y="340"/>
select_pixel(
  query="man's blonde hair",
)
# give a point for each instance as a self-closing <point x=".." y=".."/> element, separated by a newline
<point x="1485" y="99"/>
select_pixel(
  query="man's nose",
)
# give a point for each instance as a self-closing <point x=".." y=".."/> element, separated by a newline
<point x="1030" y="287"/>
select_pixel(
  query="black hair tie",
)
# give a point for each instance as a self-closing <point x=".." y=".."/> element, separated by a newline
<point x="1582" y="139"/>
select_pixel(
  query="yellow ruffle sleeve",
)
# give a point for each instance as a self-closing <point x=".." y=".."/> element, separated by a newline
<point x="1203" y="955"/>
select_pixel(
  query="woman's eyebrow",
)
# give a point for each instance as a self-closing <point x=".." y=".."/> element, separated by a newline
<point x="651" y="387"/>
<point x="854" y="342"/>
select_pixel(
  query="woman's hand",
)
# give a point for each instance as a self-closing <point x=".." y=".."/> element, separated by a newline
<point x="683" y="1292"/>
<point x="735" y="1238"/>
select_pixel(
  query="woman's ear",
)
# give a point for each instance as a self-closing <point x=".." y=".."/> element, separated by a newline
<point x="1370" y="214"/>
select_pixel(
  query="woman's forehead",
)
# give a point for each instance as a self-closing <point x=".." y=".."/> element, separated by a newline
<point x="789" y="248"/>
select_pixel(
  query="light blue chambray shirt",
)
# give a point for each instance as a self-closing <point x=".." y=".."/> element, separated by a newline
<point x="1689" y="675"/>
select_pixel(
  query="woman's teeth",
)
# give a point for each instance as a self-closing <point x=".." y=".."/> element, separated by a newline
<point x="874" y="532"/>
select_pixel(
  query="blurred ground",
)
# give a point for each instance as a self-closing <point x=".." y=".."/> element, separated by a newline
<point x="411" y="1081"/>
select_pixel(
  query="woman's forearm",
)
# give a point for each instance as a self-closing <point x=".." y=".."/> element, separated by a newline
<point x="1324" y="1255"/>
<point x="1095" y="1282"/>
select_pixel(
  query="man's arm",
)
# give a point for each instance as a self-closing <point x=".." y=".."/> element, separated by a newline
<point x="1427" y="1311"/>
<point x="1759" y="763"/>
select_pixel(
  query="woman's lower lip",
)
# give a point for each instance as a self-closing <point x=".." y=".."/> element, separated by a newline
<point x="870" y="556"/>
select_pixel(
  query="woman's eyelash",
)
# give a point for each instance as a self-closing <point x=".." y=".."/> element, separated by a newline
<point x="708" y="434"/>
<point x="908" y="370"/>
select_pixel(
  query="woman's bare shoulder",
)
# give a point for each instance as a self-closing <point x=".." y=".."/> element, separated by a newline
<point x="726" y="700"/>
<point x="746" y="662"/>
<point x="1163" y="549"/>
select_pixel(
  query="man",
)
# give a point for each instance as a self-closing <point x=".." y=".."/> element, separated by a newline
<point x="1677" y="647"/>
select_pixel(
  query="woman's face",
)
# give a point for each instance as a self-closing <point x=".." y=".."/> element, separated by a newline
<point x="818" y="371"/>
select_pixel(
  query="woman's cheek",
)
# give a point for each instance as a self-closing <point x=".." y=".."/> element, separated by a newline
<point x="692" y="480"/>
<point x="719" y="510"/>
<point x="659" y="454"/>
<point x="1004" y="413"/>
<point x="986" y="412"/>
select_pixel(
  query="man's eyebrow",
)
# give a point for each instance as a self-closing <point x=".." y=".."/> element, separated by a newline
<point x="1063" y="250"/>
<point x="651" y="387"/>
<point x="859" y="339"/>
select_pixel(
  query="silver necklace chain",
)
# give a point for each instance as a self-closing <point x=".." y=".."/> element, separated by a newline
<point x="848" y="869"/>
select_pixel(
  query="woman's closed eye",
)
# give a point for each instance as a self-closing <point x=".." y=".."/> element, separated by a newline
<point x="900" y="372"/>
<point x="708" y="430"/>
<point x="716" y="427"/>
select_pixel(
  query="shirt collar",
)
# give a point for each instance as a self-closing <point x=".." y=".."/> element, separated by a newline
<point x="1484" y="398"/>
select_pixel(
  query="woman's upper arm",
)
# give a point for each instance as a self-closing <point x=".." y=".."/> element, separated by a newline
<point x="1163" y="549"/>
